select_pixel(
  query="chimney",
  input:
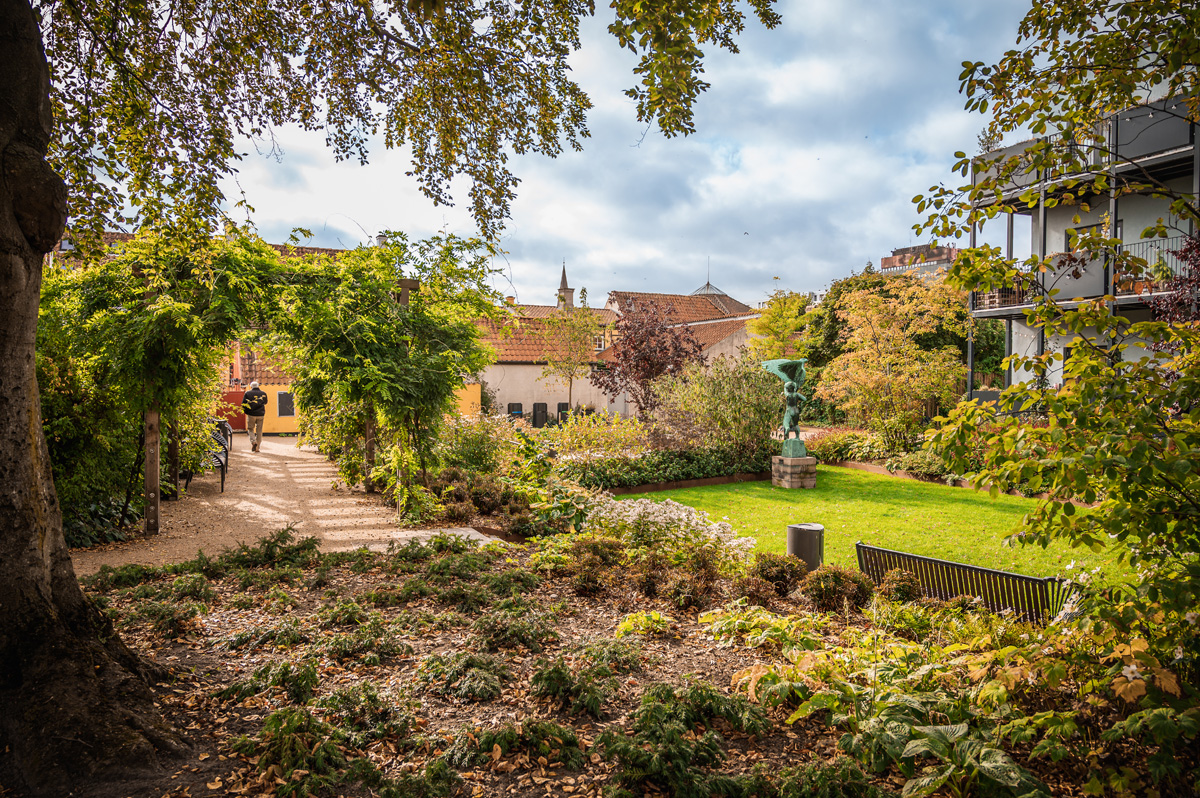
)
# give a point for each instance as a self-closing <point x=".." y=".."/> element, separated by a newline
<point x="510" y="300"/>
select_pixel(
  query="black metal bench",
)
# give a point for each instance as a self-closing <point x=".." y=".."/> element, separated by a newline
<point x="1031" y="598"/>
<point x="221" y="436"/>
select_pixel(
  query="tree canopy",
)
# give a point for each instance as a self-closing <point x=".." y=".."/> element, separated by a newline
<point x="153" y="100"/>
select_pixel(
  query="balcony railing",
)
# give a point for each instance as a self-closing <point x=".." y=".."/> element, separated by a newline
<point x="1002" y="298"/>
<point x="1161" y="264"/>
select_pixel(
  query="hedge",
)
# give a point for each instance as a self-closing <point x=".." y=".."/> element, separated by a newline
<point x="668" y="465"/>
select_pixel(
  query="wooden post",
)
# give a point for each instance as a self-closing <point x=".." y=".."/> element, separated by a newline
<point x="369" y="455"/>
<point x="173" y="457"/>
<point x="152" y="486"/>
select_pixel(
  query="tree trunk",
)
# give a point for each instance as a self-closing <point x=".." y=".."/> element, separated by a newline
<point x="153" y="471"/>
<point x="76" y="708"/>
<point x="173" y="458"/>
<point x="369" y="446"/>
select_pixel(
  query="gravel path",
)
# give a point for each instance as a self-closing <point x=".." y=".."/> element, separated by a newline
<point x="264" y="491"/>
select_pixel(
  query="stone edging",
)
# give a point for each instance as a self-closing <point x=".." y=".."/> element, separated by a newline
<point x="652" y="487"/>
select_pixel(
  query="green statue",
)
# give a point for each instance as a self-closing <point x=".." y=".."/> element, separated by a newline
<point x="792" y="374"/>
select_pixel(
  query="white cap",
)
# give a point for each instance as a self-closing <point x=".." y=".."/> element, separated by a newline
<point x="254" y="384"/>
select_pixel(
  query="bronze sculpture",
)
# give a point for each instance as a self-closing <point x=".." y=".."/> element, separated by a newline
<point x="792" y="374"/>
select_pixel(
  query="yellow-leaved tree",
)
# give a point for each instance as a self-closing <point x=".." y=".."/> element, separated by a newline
<point x="886" y="379"/>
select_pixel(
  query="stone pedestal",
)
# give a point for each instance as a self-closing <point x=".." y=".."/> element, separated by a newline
<point x="794" y="472"/>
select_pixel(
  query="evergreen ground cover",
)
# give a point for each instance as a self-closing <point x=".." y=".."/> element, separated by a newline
<point x="927" y="518"/>
<point x="725" y="698"/>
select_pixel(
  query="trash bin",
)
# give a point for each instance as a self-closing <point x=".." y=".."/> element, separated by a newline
<point x="807" y="541"/>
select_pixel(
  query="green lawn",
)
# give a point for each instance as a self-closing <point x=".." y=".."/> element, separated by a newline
<point x="927" y="518"/>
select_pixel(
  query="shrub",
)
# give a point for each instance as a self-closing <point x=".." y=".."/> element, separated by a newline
<point x="369" y="643"/>
<point x="667" y="753"/>
<point x="782" y="571"/>
<point x="619" y="656"/>
<point x="542" y="741"/>
<point x="303" y="750"/>
<point x="576" y="692"/>
<point x="506" y="629"/>
<point x="469" y="599"/>
<point x="668" y="465"/>
<point x="592" y="436"/>
<point x="347" y="612"/>
<point x="459" y="567"/>
<point x="395" y="596"/>
<point x="756" y="591"/>
<point x="169" y="619"/>
<point x="668" y="529"/>
<point x="287" y="635"/>
<point x="192" y="586"/>
<point x="900" y="585"/>
<point x="644" y="623"/>
<point x="841" y="778"/>
<point x="473" y="677"/>
<point x="833" y="445"/>
<point x="297" y="681"/>
<point x="460" y="512"/>
<point x="924" y="464"/>
<point x="688" y="592"/>
<point x="421" y="621"/>
<point x="478" y="443"/>
<point x="364" y="715"/>
<point x="832" y="587"/>
<point x="514" y="580"/>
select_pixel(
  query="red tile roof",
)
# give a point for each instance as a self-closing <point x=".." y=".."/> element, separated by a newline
<point x="681" y="307"/>
<point x="525" y="340"/>
<point x="603" y="315"/>
<point x="713" y="333"/>
<point x="708" y="334"/>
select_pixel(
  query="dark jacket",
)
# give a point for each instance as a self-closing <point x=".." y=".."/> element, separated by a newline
<point x="254" y="402"/>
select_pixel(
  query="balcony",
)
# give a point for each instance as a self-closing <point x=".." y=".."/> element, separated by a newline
<point x="1161" y="264"/>
<point x="999" y="298"/>
<point x="1150" y="133"/>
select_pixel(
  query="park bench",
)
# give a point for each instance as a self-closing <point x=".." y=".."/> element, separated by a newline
<point x="1033" y="599"/>
<point x="221" y="439"/>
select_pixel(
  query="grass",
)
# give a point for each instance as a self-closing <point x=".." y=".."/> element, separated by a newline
<point x="932" y="519"/>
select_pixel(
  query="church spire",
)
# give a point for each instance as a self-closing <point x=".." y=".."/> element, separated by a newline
<point x="566" y="295"/>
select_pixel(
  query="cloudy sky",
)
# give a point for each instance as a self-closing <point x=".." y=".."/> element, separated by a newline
<point x="810" y="145"/>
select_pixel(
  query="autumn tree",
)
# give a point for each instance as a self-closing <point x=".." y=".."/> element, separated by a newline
<point x="150" y="102"/>
<point x="781" y="329"/>
<point x="885" y="378"/>
<point x="571" y="335"/>
<point x="645" y="347"/>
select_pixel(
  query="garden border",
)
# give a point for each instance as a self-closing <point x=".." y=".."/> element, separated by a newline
<point x="652" y="487"/>
<point x="871" y="468"/>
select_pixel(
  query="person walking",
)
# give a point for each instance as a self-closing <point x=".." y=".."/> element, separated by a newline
<point x="254" y="403"/>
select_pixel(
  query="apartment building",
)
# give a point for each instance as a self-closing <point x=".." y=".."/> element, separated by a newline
<point x="1152" y="149"/>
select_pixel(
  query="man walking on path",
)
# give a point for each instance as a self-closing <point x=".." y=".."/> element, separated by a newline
<point x="254" y="402"/>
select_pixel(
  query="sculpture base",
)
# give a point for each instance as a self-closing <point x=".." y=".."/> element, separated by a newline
<point x="794" y="472"/>
<point x="794" y="447"/>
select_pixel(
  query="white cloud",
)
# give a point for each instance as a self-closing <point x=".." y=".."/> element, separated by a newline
<point x="812" y="141"/>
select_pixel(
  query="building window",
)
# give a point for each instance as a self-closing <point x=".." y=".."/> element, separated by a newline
<point x="286" y="405"/>
<point x="598" y="342"/>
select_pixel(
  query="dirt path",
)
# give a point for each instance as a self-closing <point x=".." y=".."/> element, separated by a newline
<point x="264" y="491"/>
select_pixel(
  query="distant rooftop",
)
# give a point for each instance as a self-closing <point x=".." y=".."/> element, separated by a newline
<point x="708" y="289"/>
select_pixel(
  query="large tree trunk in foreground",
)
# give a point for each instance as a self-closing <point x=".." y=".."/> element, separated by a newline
<point x="74" y="707"/>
